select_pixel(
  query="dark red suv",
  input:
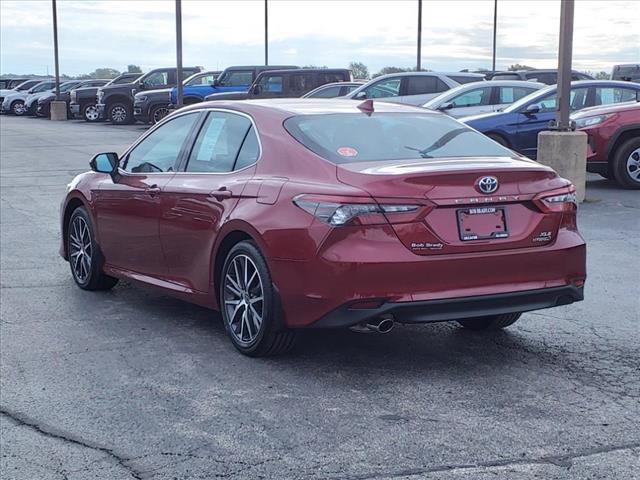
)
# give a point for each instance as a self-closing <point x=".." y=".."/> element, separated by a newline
<point x="614" y="141"/>
<point x="326" y="213"/>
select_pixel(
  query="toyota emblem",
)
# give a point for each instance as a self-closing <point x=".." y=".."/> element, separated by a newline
<point x="487" y="185"/>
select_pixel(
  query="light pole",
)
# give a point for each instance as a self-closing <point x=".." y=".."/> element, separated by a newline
<point x="419" y="62"/>
<point x="565" y="50"/>
<point x="55" y="47"/>
<point x="179" y="53"/>
<point x="495" y="29"/>
<point x="266" y="33"/>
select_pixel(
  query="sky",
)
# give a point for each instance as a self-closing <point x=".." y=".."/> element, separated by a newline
<point x="456" y="34"/>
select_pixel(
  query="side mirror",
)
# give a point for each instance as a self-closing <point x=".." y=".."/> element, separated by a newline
<point x="360" y="95"/>
<point x="105" y="163"/>
<point x="532" y="109"/>
<point x="445" y="106"/>
<point x="257" y="89"/>
<point x="215" y="83"/>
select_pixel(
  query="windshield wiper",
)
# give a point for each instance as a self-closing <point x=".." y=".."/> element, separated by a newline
<point x="441" y="142"/>
<point x="419" y="150"/>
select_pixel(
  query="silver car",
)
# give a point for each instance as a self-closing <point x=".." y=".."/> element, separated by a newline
<point x="15" y="102"/>
<point x="412" y="88"/>
<point x="333" y="90"/>
<point x="481" y="97"/>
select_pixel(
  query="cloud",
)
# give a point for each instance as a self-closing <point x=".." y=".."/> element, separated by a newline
<point x="456" y="34"/>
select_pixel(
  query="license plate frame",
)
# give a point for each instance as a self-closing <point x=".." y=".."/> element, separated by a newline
<point x="467" y="233"/>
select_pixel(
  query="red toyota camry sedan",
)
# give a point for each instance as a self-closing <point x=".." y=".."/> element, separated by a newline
<point x="290" y="214"/>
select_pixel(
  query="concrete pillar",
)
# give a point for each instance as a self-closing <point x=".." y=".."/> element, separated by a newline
<point x="58" y="110"/>
<point x="566" y="153"/>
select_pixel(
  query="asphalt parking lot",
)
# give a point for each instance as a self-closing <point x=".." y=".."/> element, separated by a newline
<point x="131" y="384"/>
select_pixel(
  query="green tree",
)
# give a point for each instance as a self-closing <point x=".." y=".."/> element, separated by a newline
<point x="601" y="75"/>
<point x="359" y="70"/>
<point x="387" y="70"/>
<point x="133" y="69"/>
<point x="104" y="73"/>
<point x="517" y="66"/>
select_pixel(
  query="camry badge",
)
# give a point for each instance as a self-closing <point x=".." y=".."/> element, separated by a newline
<point x="487" y="185"/>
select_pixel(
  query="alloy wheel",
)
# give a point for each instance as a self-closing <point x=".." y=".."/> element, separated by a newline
<point x="633" y="165"/>
<point x="118" y="114"/>
<point x="243" y="299"/>
<point x="80" y="249"/>
<point x="19" y="108"/>
<point x="91" y="113"/>
<point x="159" y="114"/>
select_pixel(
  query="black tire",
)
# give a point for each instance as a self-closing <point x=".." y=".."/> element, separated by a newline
<point x="270" y="338"/>
<point x="498" y="139"/>
<point x="94" y="279"/>
<point x="157" y="113"/>
<point x="494" y="322"/>
<point x="606" y="175"/>
<point x="90" y="113"/>
<point x="17" y="108"/>
<point x="626" y="164"/>
<point x="120" y="113"/>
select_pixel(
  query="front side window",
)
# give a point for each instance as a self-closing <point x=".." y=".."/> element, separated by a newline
<point x="202" y="80"/>
<point x="217" y="146"/>
<point x="237" y="78"/>
<point x="577" y="101"/>
<point x="43" y="87"/>
<point x="160" y="150"/>
<point x="124" y="79"/>
<point x="384" y="88"/>
<point x="354" y="137"/>
<point x="328" y="92"/>
<point x="65" y="87"/>
<point x="271" y="83"/>
<point x="157" y="79"/>
<point x="345" y="89"/>
<point x="473" y="98"/>
<point x="611" y="95"/>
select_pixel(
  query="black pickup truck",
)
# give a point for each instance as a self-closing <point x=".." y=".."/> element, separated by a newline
<point x="115" y="102"/>
<point x="82" y="103"/>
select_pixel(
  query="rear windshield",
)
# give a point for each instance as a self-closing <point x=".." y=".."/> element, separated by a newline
<point x="357" y="137"/>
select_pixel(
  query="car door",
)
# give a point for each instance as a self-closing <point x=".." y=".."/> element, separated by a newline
<point x="505" y="96"/>
<point x="198" y="199"/>
<point x="529" y="125"/>
<point x="128" y="210"/>
<point x="471" y="102"/>
<point x="418" y="89"/>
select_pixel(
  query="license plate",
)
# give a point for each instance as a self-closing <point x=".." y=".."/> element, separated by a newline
<point x="482" y="223"/>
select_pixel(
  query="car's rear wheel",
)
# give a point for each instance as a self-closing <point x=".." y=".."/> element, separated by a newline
<point x="90" y="112"/>
<point x="493" y="322"/>
<point x="158" y="113"/>
<point x="18" y="108"/>
<point x="83" y="254"/>
<point x="498" y="139"/>
<point x="626" y="164"/>
<point x="120" y="113"/>
<point x="248" y="303"/>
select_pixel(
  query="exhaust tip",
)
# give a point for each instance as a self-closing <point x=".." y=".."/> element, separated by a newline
<point x="385" y="325"/>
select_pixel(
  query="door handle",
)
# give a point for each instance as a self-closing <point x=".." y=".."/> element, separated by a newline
<point x="222" y="193"/>
<point x="153" y="190"/>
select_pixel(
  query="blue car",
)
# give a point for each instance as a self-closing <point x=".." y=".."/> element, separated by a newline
<point x="518" y="125"/>
<point x="232" y="79"/>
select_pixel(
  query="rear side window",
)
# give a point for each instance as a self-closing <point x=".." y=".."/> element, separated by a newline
<point x="506" y="76"/>
<point x="300" y="83"/>
<point x="218" y="143"/>
<point x="512" y="94"/>
<point x="550" y="78"/>
<point x="462" y="79"/>
<point x="157" y="79"/>
<point x="249" y="152"/>
<point x="271" y="83"/>
<point x="610" y="95"/>
<point x="424" y="84"/>
<point x="331" y="77"/>
<point x="355" y="137"/>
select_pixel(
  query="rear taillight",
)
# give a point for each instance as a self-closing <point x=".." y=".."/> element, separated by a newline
<point x="340" y="211"/>
<point x="558" y="201"/>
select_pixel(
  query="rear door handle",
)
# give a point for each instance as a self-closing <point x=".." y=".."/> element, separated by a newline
<point x="222" y="193"/>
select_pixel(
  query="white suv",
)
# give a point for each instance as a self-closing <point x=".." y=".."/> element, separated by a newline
<point x="413" y="88"/>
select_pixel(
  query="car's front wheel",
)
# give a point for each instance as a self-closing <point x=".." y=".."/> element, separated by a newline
<point x="83" y="254"/>
<point x="90" y="112"/>
<point x="493" y="322"/>
<point x="158" y="113"/>
<point x="626" y="164"/>
<point x="18" y="108"/>
<point x="249" y="306"/>
<point x="120" y="113"/>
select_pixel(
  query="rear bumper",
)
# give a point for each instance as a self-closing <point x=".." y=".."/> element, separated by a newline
<point x="102" y="113"/>
<point x="455" y="308"/>
<point x="74" y="108"/>
<point x="141" y="113"/>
